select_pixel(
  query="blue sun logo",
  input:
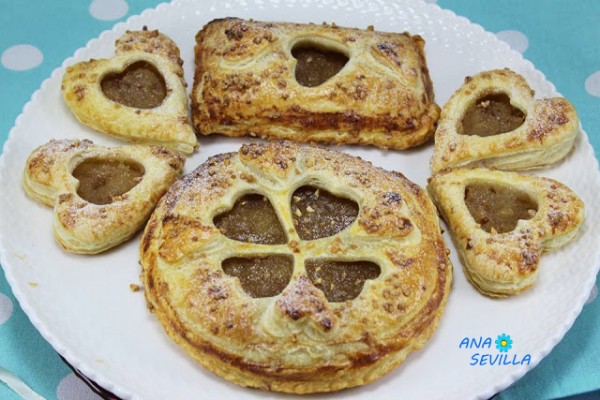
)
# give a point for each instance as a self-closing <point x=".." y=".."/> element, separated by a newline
<point x="504" y="343"/>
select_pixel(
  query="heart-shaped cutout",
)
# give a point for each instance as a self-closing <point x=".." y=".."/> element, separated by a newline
<point x="498" y="208"/>
<point x="340" y="280"/>
<point x="139" y="85"/>
<point x="491" y="115"/>
<point x="252" y="219"/>
<point x="102" y="180"/>
<point x="316" y="213"/>
<point x="264" y="276"/>
<point x="316" y="65"/>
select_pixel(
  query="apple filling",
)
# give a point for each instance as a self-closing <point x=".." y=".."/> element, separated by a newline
<point x="102" y="181"/>
<point x="498" y="208"/>
<point x="341" y="281"/>
<point x="491" y="115"/>
<point x="261" y="276"/>
<point x="317" y="213"/>
<point x="315" y="66"/>
<point x="140" y="85"/>
<point x="252" y="219"/>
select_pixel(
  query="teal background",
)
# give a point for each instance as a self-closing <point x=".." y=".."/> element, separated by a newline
<point x="564" y="43"/>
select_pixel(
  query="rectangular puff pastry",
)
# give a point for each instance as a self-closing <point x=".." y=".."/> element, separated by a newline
<point x="245" y="85"/>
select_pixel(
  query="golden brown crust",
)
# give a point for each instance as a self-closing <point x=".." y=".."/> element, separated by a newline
<point x="546" y="136"/>
<point x="501" y="264"/>
<point x="167" y="124"/>
<point x="245" y="85"/>
<point x="87" y="228"/>
<point x="296" y="341"/>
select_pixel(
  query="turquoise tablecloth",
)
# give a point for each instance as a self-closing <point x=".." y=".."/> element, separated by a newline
<point x="561" y="37"/>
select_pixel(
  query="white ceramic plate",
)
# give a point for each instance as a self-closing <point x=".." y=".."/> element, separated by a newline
<point x="83" y="305"/>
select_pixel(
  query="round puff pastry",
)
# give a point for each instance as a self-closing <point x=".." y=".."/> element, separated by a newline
<point x="87" y="228"/>
<point x="167" y="124"/>
<point x="296" y="341"/>
<point x="245" y="85"/>
<point x="502" y="264"/>
<point x="546" y="136"/>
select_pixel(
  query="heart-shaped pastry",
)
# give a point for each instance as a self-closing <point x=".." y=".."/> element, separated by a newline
<point x="296" y="269"/>
<point x="101" y="196"/>
<point x="502" y="222"/>
<point x="494" y="121"/>
<point x="138" y="95"/>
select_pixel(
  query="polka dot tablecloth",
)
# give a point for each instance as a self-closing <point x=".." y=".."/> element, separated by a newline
<point x="560" y="37"/>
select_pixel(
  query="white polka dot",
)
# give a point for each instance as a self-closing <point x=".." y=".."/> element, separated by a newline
<point x="593" y="295"/>
<point x="515" y="39"/>
<point x="22" y="57"/>
<point x="6" y="308"/>
<point x="592" y="84"/>
<point x="73" y="388"/>
<point x="107" y="10"/>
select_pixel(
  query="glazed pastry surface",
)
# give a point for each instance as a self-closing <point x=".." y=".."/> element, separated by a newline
<point x="478" y="128"/>
<point x="138" y="95"/>
<point x="101" y="196"/>
<point x="257" y="79"/>
<point x="306" y="307"/>
<point x="502" y="222"/>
